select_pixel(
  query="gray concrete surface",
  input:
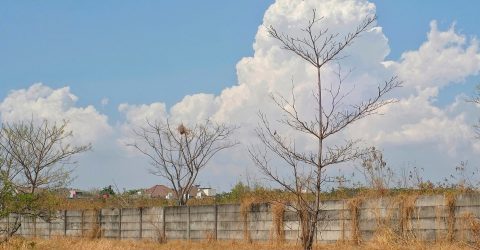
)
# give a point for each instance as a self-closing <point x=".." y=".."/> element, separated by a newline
<point x="431" y="218"/>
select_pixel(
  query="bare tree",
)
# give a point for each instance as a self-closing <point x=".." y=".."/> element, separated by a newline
<point x="8" y="168"/>
<point x="40" y="152"/>
<point x="179" y="154"/>
<point x="306" y="169"/>
<point x="8" y="171"/>
<point x="32" y="155"/>
<point x="476" y="99"/>
<point x="378" y="175"/>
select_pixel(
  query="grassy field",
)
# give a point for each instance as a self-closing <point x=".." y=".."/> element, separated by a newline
<point x="104" y="244"/>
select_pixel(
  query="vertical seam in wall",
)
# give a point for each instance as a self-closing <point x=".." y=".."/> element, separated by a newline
<point x="100" y="222"/>
<point x="163" y="223"/>
<point x="65" y="223"/>
<point x="188" y="223"/>
<point x="141" y="223"/>
<point x="120" y="223"/>
<point x="8" y="223"/>
<point x="50" y="228"/>
<point x="82" y="222"/>
<point x="216" y="221"/>
<point x="34" y="226"/>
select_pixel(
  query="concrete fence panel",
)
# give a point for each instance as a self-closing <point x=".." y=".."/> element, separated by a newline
<point x="431" y="218"/>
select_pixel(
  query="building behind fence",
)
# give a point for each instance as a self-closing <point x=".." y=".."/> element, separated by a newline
<point x="436" y="217"/>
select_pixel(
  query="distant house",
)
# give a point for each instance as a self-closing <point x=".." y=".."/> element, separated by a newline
<point x="73" y="193"/>
<point x="205" y="192"/>
<point x="162" y="191"/>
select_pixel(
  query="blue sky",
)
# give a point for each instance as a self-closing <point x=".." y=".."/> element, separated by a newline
<point x="145" y="51"/>
<point x="127" y="51"/>
<point x="144" y="54"/>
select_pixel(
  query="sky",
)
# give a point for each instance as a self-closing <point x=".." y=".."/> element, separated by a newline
<point x="107" y="66"/>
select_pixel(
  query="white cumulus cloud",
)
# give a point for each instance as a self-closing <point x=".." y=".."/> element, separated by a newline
<point x="42" y="102"/>
<point x="415" y="129"/>
<point x="443" y="134"/>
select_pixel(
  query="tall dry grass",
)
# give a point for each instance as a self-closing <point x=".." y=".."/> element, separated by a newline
<point x="380" y="242"/>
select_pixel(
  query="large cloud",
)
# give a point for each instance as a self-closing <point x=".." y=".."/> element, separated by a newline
<point x="415" y="123"/>
<point x="42" y="102"/>
<point x="415" y="129"/>
<point x="272" y="70"/>
<point x="445" y="58"/>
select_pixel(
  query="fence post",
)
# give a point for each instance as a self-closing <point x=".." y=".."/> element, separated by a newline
<point x="82" y="222"/>
<point x="50" y="228"/>
<point x="163" y="223"/>
<point x="216" y="221"/>
<point x="100" y="222"/>
<point x="120" y="223"/>
<point x="188" y="223"/>
<point x="64" y="222"/>
<point x="8" y="223"/>
<point x="35" y="227"/>
<point x="141" y="223"/>
<point x="22" y="224"/>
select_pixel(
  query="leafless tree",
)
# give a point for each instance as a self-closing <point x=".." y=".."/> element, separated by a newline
<point x="8" y="171"/>
<point x="32" y="155"/>
<point x="40" y="153"/>
<point x="378" y="175"/>
<point x="306" y="169"/>
<point x="178" y="154"/>
<point x="8" y="168"/>
<point x="476" y="99"/>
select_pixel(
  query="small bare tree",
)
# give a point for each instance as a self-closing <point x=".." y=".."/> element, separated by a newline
<point x="8" y="168"/>
<point x="476" y="99"/>
<point x="307" y="168"/>
<point x="179" y="154"/>
<point x="32" y="155"/>
<point x="378" y="175"/>
<point x="8" y="171"/>
<point x="40" y="152"/>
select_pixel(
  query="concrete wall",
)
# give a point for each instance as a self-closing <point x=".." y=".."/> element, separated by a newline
<point x="427" y="217"/>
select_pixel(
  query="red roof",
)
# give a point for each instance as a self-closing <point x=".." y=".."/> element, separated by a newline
<point x="162" y="191"/>
<point x="159" y="191"/>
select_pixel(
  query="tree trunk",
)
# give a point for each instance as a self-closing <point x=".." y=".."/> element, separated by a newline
<point x="308" y="226"/>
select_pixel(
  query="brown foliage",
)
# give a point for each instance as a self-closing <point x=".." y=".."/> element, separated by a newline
<point x="354" y="205"/>
<point x="278" y="211"/>
<point x="380" y="243"/>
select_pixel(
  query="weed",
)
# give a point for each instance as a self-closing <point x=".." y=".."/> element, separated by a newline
<point x="278" y="211"/>
<point x="354" y="207"/>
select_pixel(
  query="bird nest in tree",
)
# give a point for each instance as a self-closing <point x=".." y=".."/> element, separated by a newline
<point x="182" y="129"/>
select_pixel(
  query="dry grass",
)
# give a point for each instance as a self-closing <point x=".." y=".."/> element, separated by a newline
<point x="353" y="206"/>
<point x="451" y="216"/>
<point x="257" y="196"/>
<point x="118" y="202"/>
<point x="407" y="209"/>
<point x="472" y="223"/>
<point x="81" y="244"/>
<point x="245" y="208"/>
<point x="278" y="232"/>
